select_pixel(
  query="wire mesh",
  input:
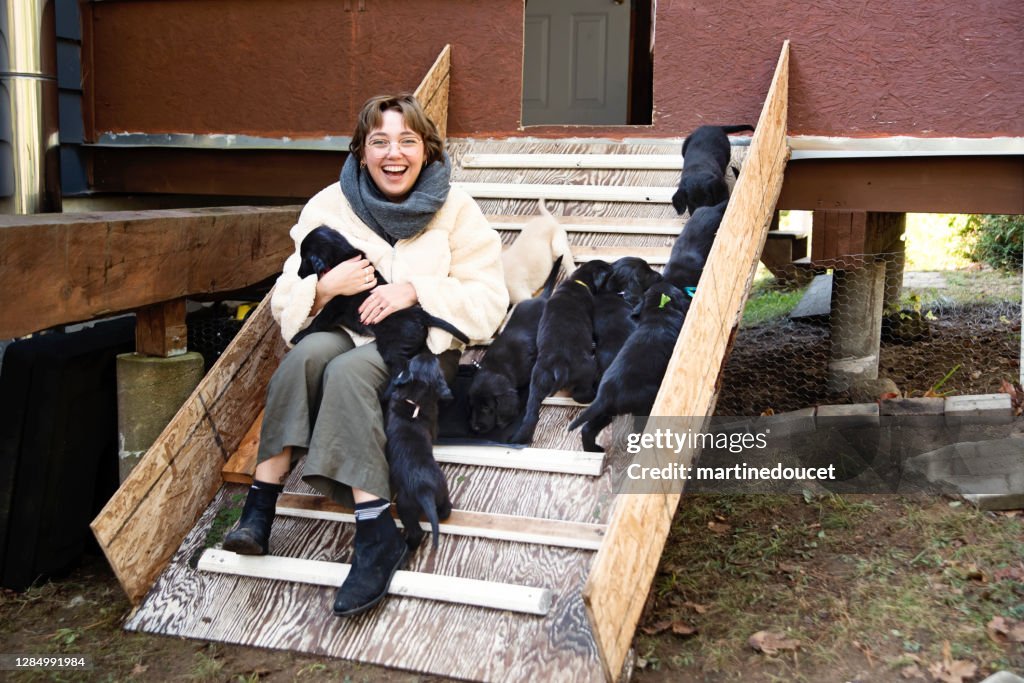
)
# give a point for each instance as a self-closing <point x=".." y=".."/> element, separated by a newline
<point x="863" y="329"/>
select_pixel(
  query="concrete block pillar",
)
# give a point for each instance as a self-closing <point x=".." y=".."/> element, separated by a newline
<point x="150" y="389"/>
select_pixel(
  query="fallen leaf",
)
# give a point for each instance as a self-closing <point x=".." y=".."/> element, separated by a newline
<point x="657" y="627"/>
<point x="699" y="609"/>
<point x="719" y="528"/>
<point x="770" y="643"/>
<point x="790" y="568"/>
<point x="951" y="670"/>
<point x="681" y="628"/>
<point x="912" y="671"/>
<point x="955" y="671"/>
<point x="1003" y="630"/>
<point x="768" y="412"/>
<point x="138" y="670"/>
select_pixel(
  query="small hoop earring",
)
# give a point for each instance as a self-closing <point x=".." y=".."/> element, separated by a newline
<point x="362" y="163"/>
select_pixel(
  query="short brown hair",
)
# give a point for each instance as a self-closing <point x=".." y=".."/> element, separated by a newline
<point x="409" y="107"/>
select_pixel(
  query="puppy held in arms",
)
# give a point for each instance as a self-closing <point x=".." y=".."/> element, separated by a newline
<point x="506" y="367"/>
<point x="706" y="154"/>
<point x="411" y="427"/>
<point x="400" y="336"/>
<point x="528" y="260"/>
<point x="565" y="344"/>
<point x="632" y="381"/>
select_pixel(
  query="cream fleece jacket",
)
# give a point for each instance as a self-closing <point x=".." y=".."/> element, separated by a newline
<point x="454" y="265"/>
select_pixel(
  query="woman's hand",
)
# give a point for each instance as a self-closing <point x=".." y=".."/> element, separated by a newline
<point x="385" y="300"/>
<point x="347" y="278"/>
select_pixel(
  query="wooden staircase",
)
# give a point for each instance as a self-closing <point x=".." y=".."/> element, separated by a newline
<point x="542" y="569"/>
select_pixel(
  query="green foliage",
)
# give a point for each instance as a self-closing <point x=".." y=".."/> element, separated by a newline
<point x="995" y="240"/>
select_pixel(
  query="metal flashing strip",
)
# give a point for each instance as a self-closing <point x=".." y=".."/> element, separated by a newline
<point x="823" y="147"/>
<point x="328" y="143"/>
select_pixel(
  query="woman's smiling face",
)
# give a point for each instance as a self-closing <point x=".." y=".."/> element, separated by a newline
<point x="394" y="156"/>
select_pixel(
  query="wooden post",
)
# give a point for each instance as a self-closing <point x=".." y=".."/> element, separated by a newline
<point x="160" y="329"/>
<point x="863" y="286"/>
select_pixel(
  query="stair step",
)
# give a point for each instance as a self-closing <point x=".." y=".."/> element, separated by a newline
<point x="538" y="530"/>
<point x="491" y="594"/>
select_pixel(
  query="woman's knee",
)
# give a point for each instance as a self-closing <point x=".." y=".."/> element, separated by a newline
<point x="361" y="367"/>
<point x="313" y="353"/>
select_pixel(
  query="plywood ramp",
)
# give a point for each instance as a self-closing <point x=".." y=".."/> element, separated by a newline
<point x="596" y="597"/>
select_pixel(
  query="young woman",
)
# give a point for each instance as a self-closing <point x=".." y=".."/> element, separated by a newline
<point x="432" y="244"/>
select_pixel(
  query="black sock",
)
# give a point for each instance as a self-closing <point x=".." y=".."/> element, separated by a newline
<point x="371" y="509"/>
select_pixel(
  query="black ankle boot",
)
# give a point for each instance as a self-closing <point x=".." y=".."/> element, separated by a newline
<point x="252" y="535"/>
<point x="379" y="552"/>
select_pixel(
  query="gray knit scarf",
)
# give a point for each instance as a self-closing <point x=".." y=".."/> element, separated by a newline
<point x="396" y="220"/>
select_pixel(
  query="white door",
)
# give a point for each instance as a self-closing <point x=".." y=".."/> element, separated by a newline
<point x="576" y="62"/>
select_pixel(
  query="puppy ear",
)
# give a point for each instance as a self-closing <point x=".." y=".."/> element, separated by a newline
<point x="402" y="378"/>
<point x="679" y="201"/>
<point x="602" y="276"/>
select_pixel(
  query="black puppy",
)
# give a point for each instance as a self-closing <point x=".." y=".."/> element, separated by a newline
<point x="613" y="324"/>
<point x="411" y="428"/>
<point x="565" y="348"/>
<point x="691" y="249"/>
<point x="506" y="368"/>
<point x="400" y="336"/>
<point x="631" y="277"/>
<point x="706" y="154"/>
<point x="632" y="382"/>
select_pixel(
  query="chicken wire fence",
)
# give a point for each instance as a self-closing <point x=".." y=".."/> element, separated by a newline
<point x="928" y="334"/>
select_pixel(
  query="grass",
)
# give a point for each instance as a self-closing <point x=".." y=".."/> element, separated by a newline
<point x="862" y="582"/>
<point x="933" y="243"/>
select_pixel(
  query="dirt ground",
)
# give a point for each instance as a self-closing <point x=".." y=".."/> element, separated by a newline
<point x="829" y="588"/>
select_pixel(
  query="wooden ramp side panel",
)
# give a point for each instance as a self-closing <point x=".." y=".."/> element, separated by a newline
<point x="432" y="91"/>
<point x="150" y="514"/>
<point x="640" y="524"/>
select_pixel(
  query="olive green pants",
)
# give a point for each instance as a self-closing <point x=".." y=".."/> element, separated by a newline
<point x="323" y="401"/>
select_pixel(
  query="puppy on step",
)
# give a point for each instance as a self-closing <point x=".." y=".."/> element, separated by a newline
<point x="528" y="260"/>
<point x="411" y="428"/>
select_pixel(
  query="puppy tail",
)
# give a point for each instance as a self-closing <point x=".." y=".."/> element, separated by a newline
<point x="737" y="129"/>
<point x="543" y="207"/>
<point x="429" y="507"/>
<point x="434" y="321"/>
<point x="549" y="284"/>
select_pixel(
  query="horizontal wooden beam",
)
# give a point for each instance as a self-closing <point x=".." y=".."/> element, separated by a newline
<point x="554" y="532"/>
<point x="83" y="266"/>
<point x="288" y="174"/>
<point x="990" y="184"/>
<point x="489" y="594"/>
<point x="580" y="193"/>
<point x="621" y="226"/>
<point x="653" y="162"/>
